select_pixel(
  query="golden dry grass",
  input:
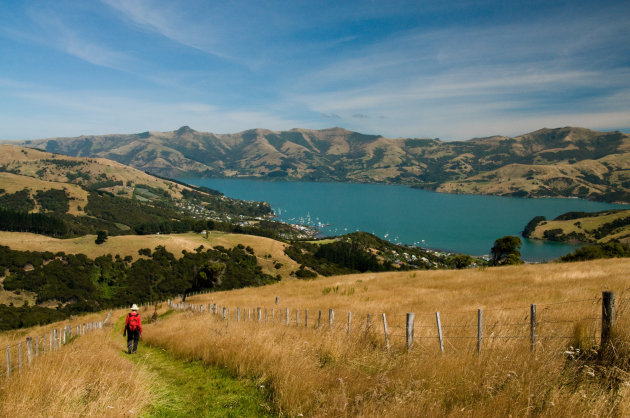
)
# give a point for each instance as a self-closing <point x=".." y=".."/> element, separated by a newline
<point x="28" y="162"/>
<point x="130" y="244"/>
<point x="12" y="183"/>
<point x="87" y="377"/>
<point x="585" y="225"/>
<point x="328" y="373"/>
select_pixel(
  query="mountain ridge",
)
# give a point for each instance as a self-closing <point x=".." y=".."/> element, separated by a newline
<point x="557" y="162"/>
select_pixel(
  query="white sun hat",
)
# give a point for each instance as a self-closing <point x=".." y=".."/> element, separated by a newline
<point x="134" y="307"/>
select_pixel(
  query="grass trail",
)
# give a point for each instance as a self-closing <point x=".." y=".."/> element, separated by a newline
<point x="189" y="388"/>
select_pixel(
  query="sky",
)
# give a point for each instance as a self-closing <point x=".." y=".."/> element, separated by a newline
<point x="452" y="70"/>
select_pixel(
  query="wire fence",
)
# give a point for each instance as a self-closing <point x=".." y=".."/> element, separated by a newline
<point x="455" y="330"/>
<point x="21" y="353"/>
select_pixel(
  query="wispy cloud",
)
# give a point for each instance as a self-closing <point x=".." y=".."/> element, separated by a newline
<point x="471" y="81"/>
<point x="78" y="112"/>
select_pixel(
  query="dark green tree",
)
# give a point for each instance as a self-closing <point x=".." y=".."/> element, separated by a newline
<point x="462" y="261"/>
<point x="506" y="251"/>
<point x="101" y="237"/>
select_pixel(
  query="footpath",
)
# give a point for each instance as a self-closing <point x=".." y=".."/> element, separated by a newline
<point x="189" y="388"/>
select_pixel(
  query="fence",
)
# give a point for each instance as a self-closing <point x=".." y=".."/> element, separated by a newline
<point x="536" y="327"/>
<point x="33" y="346"/>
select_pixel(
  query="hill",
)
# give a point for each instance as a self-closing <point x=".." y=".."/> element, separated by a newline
<point x="596" y="227"/>
<point x="563" y="162"/>
<point x="69" y="196"/>
<point x="330" y="371"/>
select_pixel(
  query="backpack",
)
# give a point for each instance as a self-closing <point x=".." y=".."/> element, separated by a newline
<point x="133" y="321"/>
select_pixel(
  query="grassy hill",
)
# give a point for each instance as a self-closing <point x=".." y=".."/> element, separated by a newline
<point x="302" y="370"/>
<point x="565" y="162"/>
<point x="597" y="227"/>
<point x="83" y="195"/>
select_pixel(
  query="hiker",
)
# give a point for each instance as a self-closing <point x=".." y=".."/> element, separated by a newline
<point x="133" y="329"/>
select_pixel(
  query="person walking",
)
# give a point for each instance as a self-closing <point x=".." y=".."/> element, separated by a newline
<point x="133" y="329"/>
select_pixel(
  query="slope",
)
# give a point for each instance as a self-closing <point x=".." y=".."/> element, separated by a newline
<point x="566" y="162"/>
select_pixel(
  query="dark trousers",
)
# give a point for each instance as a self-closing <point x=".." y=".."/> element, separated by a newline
<point x="132" y="340"/>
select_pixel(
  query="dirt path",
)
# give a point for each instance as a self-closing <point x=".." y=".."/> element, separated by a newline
<point x="186" y="388"/>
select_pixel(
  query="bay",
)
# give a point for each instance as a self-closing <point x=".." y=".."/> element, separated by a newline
<point x="455" y="223"/>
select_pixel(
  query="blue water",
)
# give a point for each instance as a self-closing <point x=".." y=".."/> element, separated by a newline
<point x="457" y="223"/>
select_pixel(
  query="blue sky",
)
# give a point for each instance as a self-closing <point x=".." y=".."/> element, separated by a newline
<point x="447" y="69"/>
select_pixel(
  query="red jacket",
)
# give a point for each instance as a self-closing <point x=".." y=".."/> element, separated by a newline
<point x="139" y="321"/>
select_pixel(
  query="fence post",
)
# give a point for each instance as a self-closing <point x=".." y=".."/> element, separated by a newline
<point x="319" y="320"/>
<point x="238" y="314"/>
<point x="439" y="328"/>
<point x="331" y="317"/>
<point x="277" y="300"/>
<point x="385" y="330"/>
<point x="410" y="324"/>
<point x="29" y="349"/>
<point x="479" y="330"/>
<point x="36" y="345"/>
<point x="223" y="312"/>
<point x="259" y="314"/>
<point x="349" y="322"/>
<point x="54" y="337"/>
<point x="532" y="326"/>
<point x="286" y="317"/>
<point x="297" y="317"/>
<point x="306" y="318"/>
<point x="8" y="361"/>
<point x="608" y="317"/>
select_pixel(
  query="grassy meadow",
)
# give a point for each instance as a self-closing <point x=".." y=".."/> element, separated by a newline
<point x="326" y="372"/>
<point x="309" y="371"/>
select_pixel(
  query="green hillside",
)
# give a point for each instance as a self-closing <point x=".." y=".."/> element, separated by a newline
<point x="596" y="227"/>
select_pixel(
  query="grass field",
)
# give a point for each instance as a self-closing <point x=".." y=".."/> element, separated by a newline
<point x="328" y="373"/>
<point x="130" y="244"/>
<point x="585" y="225"/>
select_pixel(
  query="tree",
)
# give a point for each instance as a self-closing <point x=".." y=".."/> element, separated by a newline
<point x="505" y="251"/>
<point x="462" y="261"/>
<point x="101" y="237"/>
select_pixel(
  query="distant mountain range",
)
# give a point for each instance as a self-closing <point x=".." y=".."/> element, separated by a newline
<point x="562" y="162"/>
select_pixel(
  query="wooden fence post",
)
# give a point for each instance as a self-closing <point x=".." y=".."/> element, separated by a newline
<point x="410" y="331"/>
<point x="306" y="318"/>
<point x="8" y="361"/>
<point x="277" y="300"/>
<point x="385" y="330"/>
<point x="479" y="330"/>
<point x="238" y="314"/>
<point x="532" y="327"/>
<point x="259" y="314"/>
<point x="224" y="312"/>
<point x="608" y="318"/>
<point x="331" y="318"/>
<point x="297" y="317"/>
<point x="349" y="322"/>
<point x="29" y="349"/>
<point x="286" y="316"/>
<point x="439" y="328"/>
<point x="54" y="337"/>
<point x="36" y="345"/>
<point x="319" y="319"/>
